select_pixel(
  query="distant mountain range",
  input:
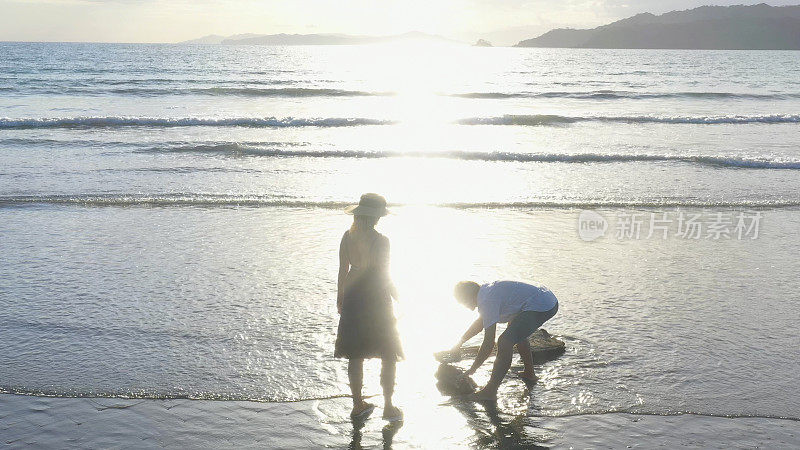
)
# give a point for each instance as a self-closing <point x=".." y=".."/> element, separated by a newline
<point x="757" y="27"/>
<point x="312" y="39"/>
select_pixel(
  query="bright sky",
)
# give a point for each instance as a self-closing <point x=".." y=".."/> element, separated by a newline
<point x="505" y="21"/>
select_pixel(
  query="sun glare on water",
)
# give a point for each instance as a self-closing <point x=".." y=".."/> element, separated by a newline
<point x="421" y="74"/>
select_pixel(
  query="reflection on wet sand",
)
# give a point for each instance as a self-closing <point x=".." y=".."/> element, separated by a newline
<point x="388" y="432"/>
<point x="485" y="427"/>
<point x="493" y="431"/>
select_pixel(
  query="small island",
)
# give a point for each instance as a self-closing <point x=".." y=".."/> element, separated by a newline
<point x="482" y="43"/>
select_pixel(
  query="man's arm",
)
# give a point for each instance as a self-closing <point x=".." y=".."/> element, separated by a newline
<point x="473" y="330"/>
<point x="486" y="348"/>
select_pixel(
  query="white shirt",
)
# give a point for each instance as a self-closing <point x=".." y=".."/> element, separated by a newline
<point x="500" y="301"/>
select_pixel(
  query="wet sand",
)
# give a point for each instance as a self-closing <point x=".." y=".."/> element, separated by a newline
<point x="45" y="422"/>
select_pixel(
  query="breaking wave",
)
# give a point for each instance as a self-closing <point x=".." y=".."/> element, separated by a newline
<point x="248" y="92"/>
<point x="158" y="395"/>
<point x="213" y="396"/>
<point x="274" y="122"/>
<point x="256" y="150"/>
<point x="168" y="87"/>
<point x="121" y="121"/>
<point x="224" y="200"/>
<point x="548" y="119"/>
<point x="623" y="95"/>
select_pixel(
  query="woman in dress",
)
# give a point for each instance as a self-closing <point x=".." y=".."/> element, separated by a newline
<point x="365" y="290"/>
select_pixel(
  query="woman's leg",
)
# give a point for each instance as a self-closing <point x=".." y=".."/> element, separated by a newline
<point x="388" y="371"/>
<point x="355" y="372"/>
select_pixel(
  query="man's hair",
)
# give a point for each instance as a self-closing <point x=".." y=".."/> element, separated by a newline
<point x="465" y="290"/>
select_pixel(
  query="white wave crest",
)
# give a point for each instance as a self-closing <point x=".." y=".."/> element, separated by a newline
<point x="223" y="200"/>
<point x="233" y="148"/>
<point x="552" y="120"/>
<point x="121" y="121"/>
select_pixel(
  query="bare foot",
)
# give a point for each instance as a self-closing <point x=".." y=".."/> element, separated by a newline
<point x="528" y="376"/>
<point x="392" y="413"/>
<point x="483" y="395"/>
<point x="362" y="410"/>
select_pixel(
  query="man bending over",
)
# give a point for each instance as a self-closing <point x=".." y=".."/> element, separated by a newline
<point x="525" y="306"/>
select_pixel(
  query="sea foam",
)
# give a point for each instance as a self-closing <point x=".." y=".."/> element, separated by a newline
<point x="122" y="121"/>
<point x="549" y="119"/>
<point x="280" y="150"/>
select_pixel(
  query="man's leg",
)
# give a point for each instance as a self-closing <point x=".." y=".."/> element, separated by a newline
<point x="520" y="328"/>
<point x="502" y="362"/>
<point x="524" y="349"/>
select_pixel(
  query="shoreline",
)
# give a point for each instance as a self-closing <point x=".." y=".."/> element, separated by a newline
<point x="47" y="422"/>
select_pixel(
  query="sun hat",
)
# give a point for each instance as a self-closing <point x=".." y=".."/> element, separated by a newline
<point x="373" y="205"/>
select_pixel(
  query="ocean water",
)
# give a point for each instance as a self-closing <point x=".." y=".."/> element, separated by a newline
<point x="170" y="217"/>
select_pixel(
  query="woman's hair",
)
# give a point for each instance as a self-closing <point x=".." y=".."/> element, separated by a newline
<point x="364" y="223"/>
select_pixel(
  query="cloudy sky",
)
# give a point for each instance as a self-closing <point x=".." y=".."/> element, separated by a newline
<point x="504" y="21"/>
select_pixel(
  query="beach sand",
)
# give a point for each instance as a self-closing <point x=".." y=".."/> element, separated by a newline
<point x="46" y="422"/>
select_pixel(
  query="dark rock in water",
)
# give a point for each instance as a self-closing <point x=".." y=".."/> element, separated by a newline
<point x="544" y="347"/>
<point x="453" y="381"/>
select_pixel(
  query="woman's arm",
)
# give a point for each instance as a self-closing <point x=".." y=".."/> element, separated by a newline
<point x="486" y="349"/>
<point x="344" y="269"/>
<point x="383" y="262"/>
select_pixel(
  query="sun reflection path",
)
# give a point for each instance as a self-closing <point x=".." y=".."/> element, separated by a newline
<point x="432" y="249"/>
<point x="421" y="75"/>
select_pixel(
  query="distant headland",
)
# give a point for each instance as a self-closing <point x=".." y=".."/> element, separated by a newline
<point x="757" y="27"/>
<point x="313" y="39"/>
